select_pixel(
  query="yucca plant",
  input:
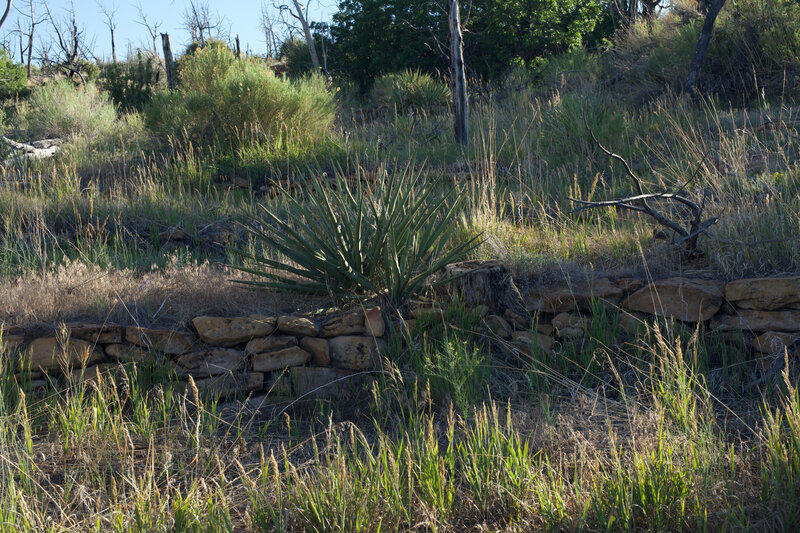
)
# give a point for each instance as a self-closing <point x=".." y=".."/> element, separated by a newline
<point x="351" y="239"/>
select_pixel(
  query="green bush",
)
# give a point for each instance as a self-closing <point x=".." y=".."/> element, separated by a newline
<point x="411" y="89"/>
<point x="763" y="36"/>
<point x="385" y="239"/>
<point x="62" y="109"/>
<point x="132" y="83"/>
<point x="13" y="78"/>
<point x="222" y="98"/>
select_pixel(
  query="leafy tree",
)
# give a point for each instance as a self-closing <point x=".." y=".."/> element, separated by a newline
<point x="373" y="37"/>
<point x="13" y="77"/>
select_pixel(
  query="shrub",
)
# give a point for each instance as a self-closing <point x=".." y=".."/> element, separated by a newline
<point x="13" y="78"/>
<point x="61" y="109"/>
<point x="411" y="89"/>
<point x="132" y="83"/>
<point x="763" y="36"/>
<point x="356" y="240"/>
<point x="222" y="98"/>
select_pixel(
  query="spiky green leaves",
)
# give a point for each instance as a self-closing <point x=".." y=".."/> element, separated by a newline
<point x="355" y="238"/>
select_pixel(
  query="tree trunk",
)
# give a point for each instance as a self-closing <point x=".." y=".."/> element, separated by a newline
<point x="309" y="38"/>
<point x="5" y="14"/>
<point x="458" y="76"/>
<point x="633" y="10"/>
<point x="113" y="47"/>
<point x="30" y="48"/>
<point x="702" y="46"/>
<point x="238" y="47"/>
<point x="169" y="64"/>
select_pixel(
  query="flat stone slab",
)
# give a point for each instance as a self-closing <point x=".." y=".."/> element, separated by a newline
<point x="298" y="326"/>
<point x="227" y="332"/>
<point x="160" y="340"/>
<point x="685" y="299"/>
<point x="212" y="362"/>
<point x="294" y="356"/>
<point x="96" y="333"/>
<point x="574" y="298"/>
<point x="355" y="352"/>
<point x="270" y="344"/>
<point x="47" y="354"/>
<point x="759" y="321"/>
<point x="765" y="294"/>
<point x="775" y="342"/>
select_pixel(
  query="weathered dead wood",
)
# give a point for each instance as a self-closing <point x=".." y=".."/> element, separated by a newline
<point x="37" y="150"/>
<point x="458" y="76"/>
<point x="687" y="236"/>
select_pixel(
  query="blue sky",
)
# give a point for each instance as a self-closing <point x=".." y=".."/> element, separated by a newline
<point x="241" y="16"/>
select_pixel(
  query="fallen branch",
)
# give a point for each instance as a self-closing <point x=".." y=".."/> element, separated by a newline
<point x="46" y="148"/>
<point x="641" y="203"/>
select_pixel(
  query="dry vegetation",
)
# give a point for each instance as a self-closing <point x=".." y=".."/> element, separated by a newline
<point x="655" y="429"/>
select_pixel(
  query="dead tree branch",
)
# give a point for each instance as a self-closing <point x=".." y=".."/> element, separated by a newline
<point x="641" y="203"/>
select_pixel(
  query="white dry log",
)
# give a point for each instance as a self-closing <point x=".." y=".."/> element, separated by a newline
<point x="47" y="148"/>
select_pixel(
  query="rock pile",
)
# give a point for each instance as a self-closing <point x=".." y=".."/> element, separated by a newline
<point x="223" y="356"/>
<point x="290" y="356"/>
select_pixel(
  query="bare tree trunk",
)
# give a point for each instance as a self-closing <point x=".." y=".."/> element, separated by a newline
<point x="169" y="64"/>
<point x="238" y="47"/>
<point x="458" y="75"/>
<point x="702" y="45"/>
<point x="30" y="42"/>
<point x="113" y="47"/>
<point x="633" y="10"/>
<point x="300" y="16"/>
<point x="5" y="14"/>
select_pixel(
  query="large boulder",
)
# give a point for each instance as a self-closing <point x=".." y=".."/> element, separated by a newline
<point x="765" y="294"/>
<point x="686" y="299"/>
<point x="227" y="332"/>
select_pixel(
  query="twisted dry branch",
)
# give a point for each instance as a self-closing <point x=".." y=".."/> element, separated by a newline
<point x="641" y="203"/>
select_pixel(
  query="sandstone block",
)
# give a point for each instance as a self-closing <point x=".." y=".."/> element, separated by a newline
<point x="759" y="321"/>
<point x="93" y="375"/>
<point x="270" y="344"/>
<point x="373" y="322"/>
<point x="48" y="354"/>
<point x="689" y="300"/>
<point x="765" y="294"/>
<point x="96" y="333"/>
<point x="230" y="384"/>
<point x="160" y="340"/>
<point x="129" y="354"/>
<point x="212" y="362"/>
<point x="318" y="348"/>
<point x="499" y="326"/>
<point x="775" y="342"/>
<point x="323" y="382"/>
<point x="355" y="353"/>
<point x="529" y="339"/>
<point x="294" y="356"/>
<point x="570" y="298"/>
<point x="351" y="323"/>
<point x="298" y="326"/>
<point x="227" y="332"/>
<point x="12" y="342"/>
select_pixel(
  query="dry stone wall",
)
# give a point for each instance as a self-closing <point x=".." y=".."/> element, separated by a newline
<point x="292" y="356"/>
<point x="287" y="356"/>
